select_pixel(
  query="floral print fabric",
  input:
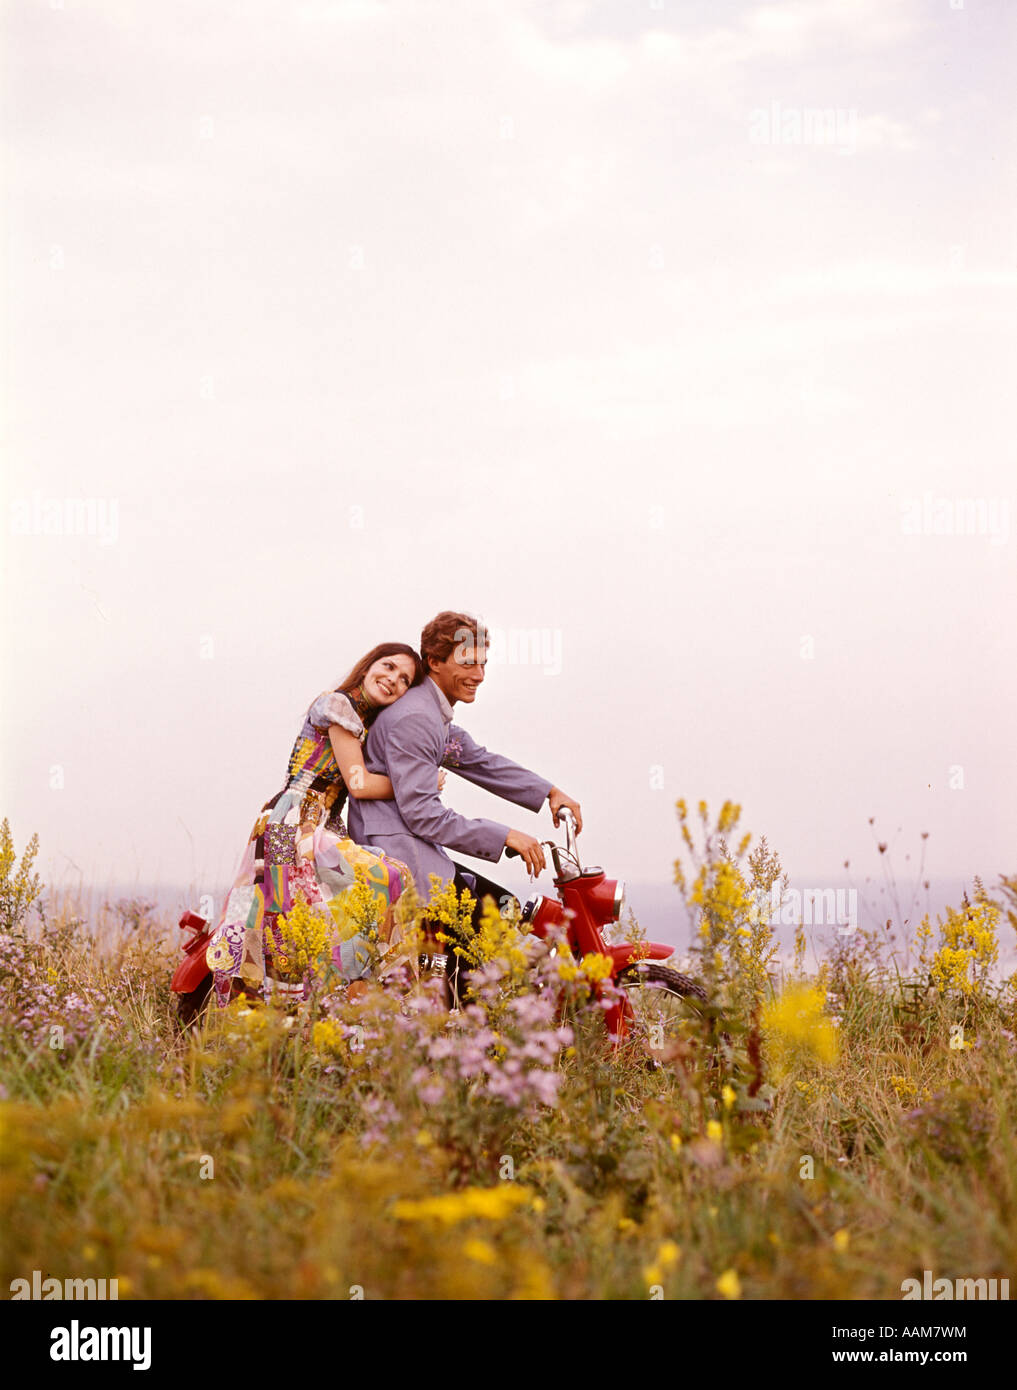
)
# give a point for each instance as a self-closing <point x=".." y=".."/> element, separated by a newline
<point x="300" y="845"/>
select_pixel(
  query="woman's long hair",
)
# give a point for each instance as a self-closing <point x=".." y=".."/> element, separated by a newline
<point x="356" y="676"/>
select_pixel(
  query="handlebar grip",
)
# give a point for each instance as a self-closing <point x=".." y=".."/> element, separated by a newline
<point x="511" y="854"/>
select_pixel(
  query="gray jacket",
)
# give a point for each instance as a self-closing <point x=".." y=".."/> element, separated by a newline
<point x="407" y="743"/>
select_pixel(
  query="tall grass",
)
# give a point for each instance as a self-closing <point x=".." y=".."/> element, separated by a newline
<point x="805" y="1138"/>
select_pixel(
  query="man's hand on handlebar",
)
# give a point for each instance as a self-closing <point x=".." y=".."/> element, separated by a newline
<point x="557" y="799"/>
<point x="530" y="849"/>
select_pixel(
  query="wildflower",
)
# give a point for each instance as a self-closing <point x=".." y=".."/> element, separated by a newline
<point x="359" y="910"/>
<point x="729" y="1284"/>
<point x="906" y="1090"/>
<point x="676" y="1142"/>
<point x="797" y="1018"/>
<point x="304" y="940"/>
<point x="970" y="946"/>
<point x="480" y="1251"/>
<point x="727" y="1095"/>
<point x="715" y="1131"/>
<point x="485" y="1203"/>
<point x="841" y="1240"/>
<point x="329" y="1036"/>
<point x="431" y="1091"/>
<point x="596" y="966"/>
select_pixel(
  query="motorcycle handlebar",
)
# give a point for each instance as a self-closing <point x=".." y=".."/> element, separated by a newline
<point x="566" y="816"/>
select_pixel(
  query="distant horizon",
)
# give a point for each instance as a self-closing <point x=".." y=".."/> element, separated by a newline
<point x="945" y="890"/>
<point x="657" y="907"/>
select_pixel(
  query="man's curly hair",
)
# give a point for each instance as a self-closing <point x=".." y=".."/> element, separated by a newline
<point x="450" y="631"/>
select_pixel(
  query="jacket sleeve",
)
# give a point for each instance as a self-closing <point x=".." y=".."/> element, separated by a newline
<point x="494" y="773"/>
<point x="413" y="755"/>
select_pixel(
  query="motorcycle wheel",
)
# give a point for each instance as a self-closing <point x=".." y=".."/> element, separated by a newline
<point x="663" y="1003"/>
<point x="190" y="1006"/>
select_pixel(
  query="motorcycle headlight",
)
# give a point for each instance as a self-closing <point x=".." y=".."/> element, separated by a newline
<point x="619" y="899"/>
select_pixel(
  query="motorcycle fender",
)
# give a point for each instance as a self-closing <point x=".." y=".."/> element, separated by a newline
<point x="192" y="969"/>
<point x="631" y="952"/>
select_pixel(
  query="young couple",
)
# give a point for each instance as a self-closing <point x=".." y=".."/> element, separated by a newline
<point x="381" y="740"/>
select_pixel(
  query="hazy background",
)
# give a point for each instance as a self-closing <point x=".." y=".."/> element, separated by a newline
<point x="322" y="317"/>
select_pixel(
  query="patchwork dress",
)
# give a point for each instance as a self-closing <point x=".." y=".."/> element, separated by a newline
<point x="300" y="845"/>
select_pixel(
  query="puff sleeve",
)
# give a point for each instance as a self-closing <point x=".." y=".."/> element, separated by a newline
<point x="333" y="707"/>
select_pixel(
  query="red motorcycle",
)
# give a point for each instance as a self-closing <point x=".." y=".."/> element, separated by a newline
<point x="192" y="979"/>
<point x="653" y="997"/>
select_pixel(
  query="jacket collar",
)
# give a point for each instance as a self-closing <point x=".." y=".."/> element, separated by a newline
<point x="440" y="699"/>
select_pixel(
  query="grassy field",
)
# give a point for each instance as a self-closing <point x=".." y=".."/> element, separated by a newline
<point x="803" y="1138"/>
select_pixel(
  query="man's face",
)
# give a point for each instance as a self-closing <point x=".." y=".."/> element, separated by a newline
<point x="459" y="676"/>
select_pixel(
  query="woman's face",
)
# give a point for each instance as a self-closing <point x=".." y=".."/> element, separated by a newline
<point x="388" y="678"/>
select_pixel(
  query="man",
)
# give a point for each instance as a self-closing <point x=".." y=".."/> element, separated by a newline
<point x="412" y="738"/>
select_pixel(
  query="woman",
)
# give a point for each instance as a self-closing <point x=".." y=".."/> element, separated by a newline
<point x="299" y="844"/>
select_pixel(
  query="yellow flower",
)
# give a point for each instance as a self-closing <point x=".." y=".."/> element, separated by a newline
<point x="841" y="1240"/>
<point x="969" y="948"/>
<point x="359" y="909"/>
<point x="668" y="1254"/>
<point x="485" y="1203"/>
<point x="729" y="1284"/>
<point x="715" y="1131"/>
<point x="727" y="1095"/>
<point x="797" y="1019"/>
<point x="597" y="967"/>
<point x="676" y="1142"/>
<point x="305" y="940"/>
<point x="480" y="1251"/>
<point x="626" y="1224"/>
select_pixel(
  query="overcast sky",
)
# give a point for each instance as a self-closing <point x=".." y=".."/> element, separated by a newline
<point x="682" y="334"/>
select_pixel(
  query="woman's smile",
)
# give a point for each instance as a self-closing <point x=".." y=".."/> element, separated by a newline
<point x="387" y="679"/>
